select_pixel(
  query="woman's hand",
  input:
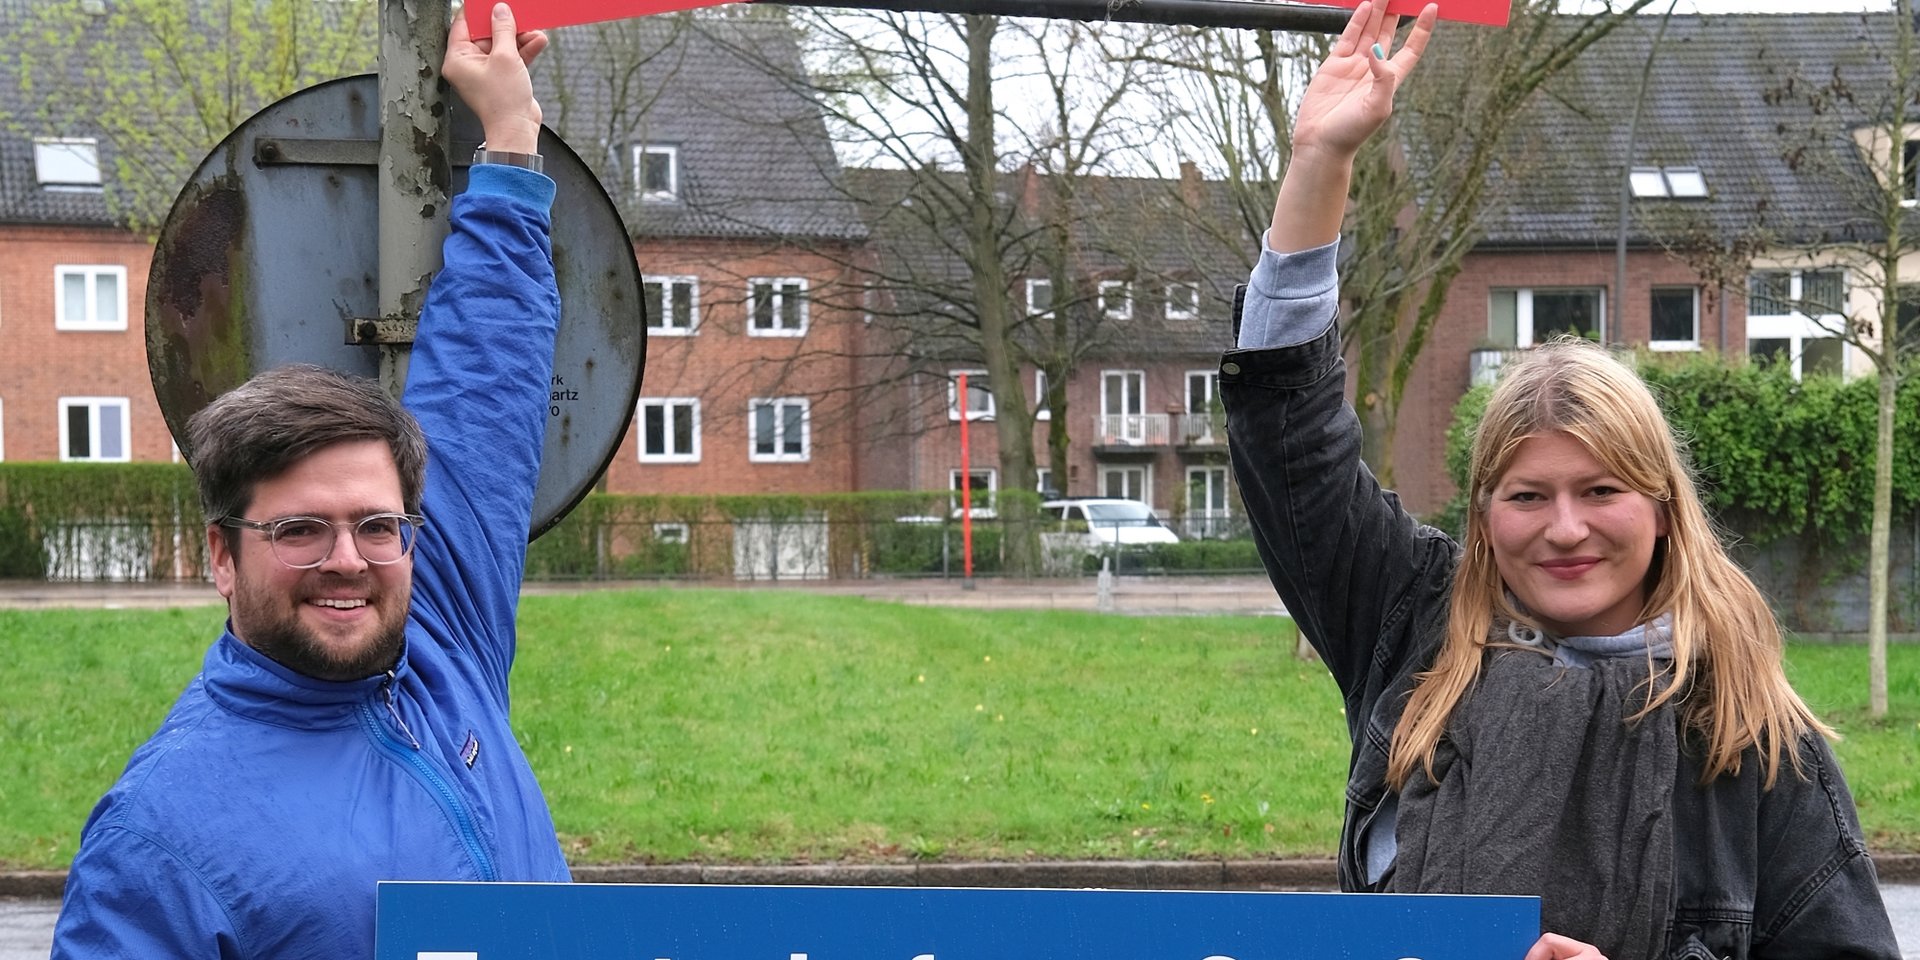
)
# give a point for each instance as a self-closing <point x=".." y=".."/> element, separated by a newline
<point x="1552" y="946"/>
<point x="1351" y="95"/>
<point x="1349" y="99"/>
<point x="491" y="75"/>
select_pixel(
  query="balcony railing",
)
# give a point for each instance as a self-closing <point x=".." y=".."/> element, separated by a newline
<point x="1132" y="430"/>
<point x="1197" y="429"/>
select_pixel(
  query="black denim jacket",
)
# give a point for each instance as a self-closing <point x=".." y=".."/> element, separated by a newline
<point x="1779" y="873"/>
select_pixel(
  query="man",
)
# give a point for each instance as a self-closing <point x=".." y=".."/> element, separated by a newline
<point x="350" y="725"/>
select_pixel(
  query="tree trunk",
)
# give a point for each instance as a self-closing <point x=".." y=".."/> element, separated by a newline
<point x="1877" y="550"/>
<point x="1013" y="422"/>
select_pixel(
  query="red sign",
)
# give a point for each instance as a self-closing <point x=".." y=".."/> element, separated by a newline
<point x="542" y="14"/>
<point x="1493" y="12"/>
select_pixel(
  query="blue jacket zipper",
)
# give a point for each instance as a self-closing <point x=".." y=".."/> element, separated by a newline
<point x="424" y="772"/>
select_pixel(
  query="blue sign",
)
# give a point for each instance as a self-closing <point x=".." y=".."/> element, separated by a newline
<point x="532" y="921"/>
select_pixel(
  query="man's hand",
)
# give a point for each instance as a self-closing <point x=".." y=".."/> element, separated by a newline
<point x="1552" y="946"/>
<point x="491" y="75"/>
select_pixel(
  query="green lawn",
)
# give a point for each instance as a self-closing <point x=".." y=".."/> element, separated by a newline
<point x="721" y="725"/>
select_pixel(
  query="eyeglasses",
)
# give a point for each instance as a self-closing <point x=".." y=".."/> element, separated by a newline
<point x="306" y="542"/>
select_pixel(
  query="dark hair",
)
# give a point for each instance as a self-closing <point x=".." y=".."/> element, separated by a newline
<point x="261" y="428"/>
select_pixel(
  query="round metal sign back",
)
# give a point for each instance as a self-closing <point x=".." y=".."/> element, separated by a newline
<point x="270" y="256"/>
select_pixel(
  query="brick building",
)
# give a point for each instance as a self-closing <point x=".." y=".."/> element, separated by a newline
<point x="805" y="334"/>
<point x="1743" y="229"/>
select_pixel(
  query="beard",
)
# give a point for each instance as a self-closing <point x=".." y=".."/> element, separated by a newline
<point x="271" y="623"/>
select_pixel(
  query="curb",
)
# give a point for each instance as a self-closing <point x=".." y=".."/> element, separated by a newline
<point x="1056" y="874"/>
<point x="1067" y="874"/>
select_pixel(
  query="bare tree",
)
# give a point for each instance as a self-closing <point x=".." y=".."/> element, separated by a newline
<point x="1857" y="135"/>
<point x="1419" y="195"/>
<point x="969" y="193"/>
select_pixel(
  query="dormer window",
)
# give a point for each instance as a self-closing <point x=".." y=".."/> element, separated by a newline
<point x="656" y="172"/>
<point x="1183" y="301"/>
<point x="1679" y="183"/>
<point x="67" y="163"/>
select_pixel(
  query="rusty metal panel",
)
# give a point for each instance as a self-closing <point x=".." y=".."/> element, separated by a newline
<point x="270" y="256"/>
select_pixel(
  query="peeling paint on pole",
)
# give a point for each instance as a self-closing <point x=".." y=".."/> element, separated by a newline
<point x="414" y="166"/>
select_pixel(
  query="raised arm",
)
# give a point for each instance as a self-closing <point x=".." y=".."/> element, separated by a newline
<point x="480" y="375"/>
<point x="1347" y="102"/>
<point x="1341" y="551"/>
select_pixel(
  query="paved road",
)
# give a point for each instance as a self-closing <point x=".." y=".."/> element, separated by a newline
<point x="26" y="926"/>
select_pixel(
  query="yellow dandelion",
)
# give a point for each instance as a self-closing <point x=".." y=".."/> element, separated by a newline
<point x="979" y="707"/>
<point x="987" y="659"/>
<point x="920" y="679"/>
<point x="568" y="749"/>
<point x="1206" y="798"/>
<point x="1253" y="731"/>
<point x="999" y="718"/>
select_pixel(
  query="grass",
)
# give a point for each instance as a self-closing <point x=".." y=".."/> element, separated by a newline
<point x="735" y="726"/>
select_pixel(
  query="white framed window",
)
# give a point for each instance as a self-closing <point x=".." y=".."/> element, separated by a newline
<point x="979" y="395"/>
<point x="1183" y="301"/>
<point x="670" y="430"/>
<point x="671" y="532"/>
<point x="1207" y="509"/>
<point x="1123" y="405"/>
<point x="984" y="483"/>
<point x="656" y="172"/>
<point x="1127" y="481"/>
<point x="1116" y="299"/>
<point x="1676" y="319"/>
<point x="777" y="307"/>
<point x="89" y="297"/>
<point x="1039" y="296"/>
<point x="95" y="429"/>
<point x="67" y="163"/>
<point x="1679" y="183"/>
<point x="1794" y="316"/>
<point x="1526" y="316"/>
<point x="1040" y="409"/>
<point x="779" y="429"/>
<point x="1201" y="388"/>
<point x="673" y="305"/>
<point x="1043" y="482"/>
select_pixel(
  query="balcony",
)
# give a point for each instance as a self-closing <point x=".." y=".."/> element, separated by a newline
<point x="1200" y="429"/>
<point x="1132" y="430"/>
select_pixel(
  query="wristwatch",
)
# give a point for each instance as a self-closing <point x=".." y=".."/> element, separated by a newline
<point x="530" y="161"/>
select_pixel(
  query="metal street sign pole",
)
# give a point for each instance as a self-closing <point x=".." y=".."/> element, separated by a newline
<point x="414" y="171"/>
<point x="1243" y="14"/>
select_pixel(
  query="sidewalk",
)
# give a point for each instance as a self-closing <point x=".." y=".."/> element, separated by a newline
<point x="1243" y="595"/>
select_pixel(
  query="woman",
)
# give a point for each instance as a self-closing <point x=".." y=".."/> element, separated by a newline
<point x="1585" y="700"/>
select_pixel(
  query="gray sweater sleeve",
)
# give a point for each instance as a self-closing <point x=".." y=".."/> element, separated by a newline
<point x="1291" y="297"/>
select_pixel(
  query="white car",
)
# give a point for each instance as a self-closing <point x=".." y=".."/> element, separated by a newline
<point x="1111" y="522"/>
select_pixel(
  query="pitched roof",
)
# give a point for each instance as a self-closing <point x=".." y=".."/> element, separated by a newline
<point x="22" y="198"/>
<point x="754" y="158"/>
<point x="1733" y="95"/>
<point x="726" y="91"/>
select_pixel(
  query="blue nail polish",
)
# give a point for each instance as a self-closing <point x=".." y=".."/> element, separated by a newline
<point x="1379" y="54"/>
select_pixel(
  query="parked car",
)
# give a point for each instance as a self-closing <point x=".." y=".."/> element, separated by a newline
<point x="1110" y="522"/>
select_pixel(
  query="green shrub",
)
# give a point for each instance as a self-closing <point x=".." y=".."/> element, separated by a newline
<point x="22" y="555"/>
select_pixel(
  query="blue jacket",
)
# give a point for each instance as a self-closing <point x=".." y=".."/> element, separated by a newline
<point x="257" y="820"/>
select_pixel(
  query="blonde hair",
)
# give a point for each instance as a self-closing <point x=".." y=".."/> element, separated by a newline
<point x="1726" y="674"/>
